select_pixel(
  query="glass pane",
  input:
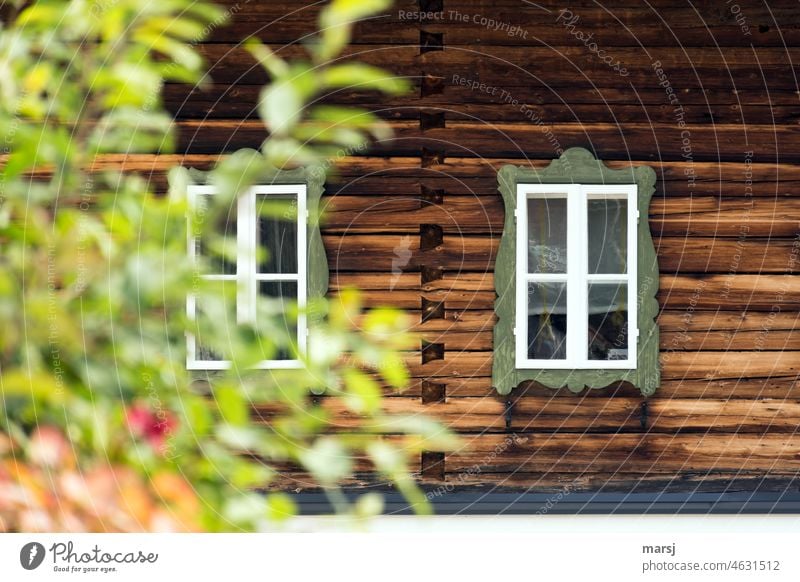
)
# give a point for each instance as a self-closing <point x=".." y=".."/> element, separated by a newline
<point x="218" y="240"/>
<point x="283" y="300"/>
<point x="547" y="235"/>
<point x="277" y="234"/>
<point x="215" y="312"/>
<point x="608" y="236"/>
<point x="547" y="321"/>
<point x="608" y="321"/>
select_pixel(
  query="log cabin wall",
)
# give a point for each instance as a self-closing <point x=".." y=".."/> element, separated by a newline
<point x="706" y="93"/>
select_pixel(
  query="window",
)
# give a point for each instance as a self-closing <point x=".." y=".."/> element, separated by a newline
<point x="576" y="277"/>
<point x="277" y="256"/>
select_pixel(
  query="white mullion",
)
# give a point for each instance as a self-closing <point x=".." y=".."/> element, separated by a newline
<point x="277" y="277"/>
<point x="576" y="278"/>
<point x="246" y="258"/>
<point x="602" y="278"/>
<point x="546" y="278"/>
<point x="302" y="269"/>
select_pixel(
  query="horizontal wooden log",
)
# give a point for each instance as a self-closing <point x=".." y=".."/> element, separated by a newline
<point x="367" y="175"/>
<point x="675" y="365"/>
<point x="701" y="216"/>
<point x="771" y="293"/>
<point x="402" y="253"/>
<point x="625" y="24"/>
<point x="472" y="330"/>
<point x="648" y="453"/>
<point x="236" y="101"/>
<point x="552" y="67"/>
<point x="775" y="387"/>
<point x="560" y="414"/>
<point x="702" y="340"/>
<point x="651" y="141"/>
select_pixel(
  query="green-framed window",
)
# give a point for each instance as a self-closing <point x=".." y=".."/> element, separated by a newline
<point x="280" y="257"/>
<point x="576" y="277"/>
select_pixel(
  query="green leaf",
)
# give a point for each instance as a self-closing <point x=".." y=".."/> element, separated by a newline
<point x="336" y="21"/>
<point x="245" y="509"/>
<point x="271" y="62"/>
<point x="179" y="179"/>
<point x="237" y="172"/>
<point x="247" y="474"/>
<point x="239" y="438"/>
<point x="434" y="436"/>
<point x="364" y="77"/>
<point x="41" y="14"/>
<point x="198" y="416"/>
<point x="280" y="107"/>
<point x="289" y="153"/>
<point x="232" y="405"/>
<point x="386" y="458"/>
<point x="368" y="505"/>
<point x="280" y="507"/>
<point x="394" y="371"/>
<point x="327" y="460"/>
<point x="179" y="52"/>
<point x="179" y="28"/>
<point x="348" y="11"/>
<point x="37" y="386"/>
<point x="363" y="395"/>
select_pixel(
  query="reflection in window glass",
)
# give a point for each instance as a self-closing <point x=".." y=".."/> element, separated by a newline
<point x="218" y="243"/>
<point x="284" y="295"/>
<point x="547" y="321"/>
<point x="608" y="321"/>
<point x="215" y="309"/>
<point x="608" y="236"/>
<point x="547" y="235"/>
<point x="277" y="234"/>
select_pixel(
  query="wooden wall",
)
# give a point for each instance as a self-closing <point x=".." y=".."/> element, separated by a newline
<point x="416" y="221"/>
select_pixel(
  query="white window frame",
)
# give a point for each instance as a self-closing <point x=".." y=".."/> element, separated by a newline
<point x="577" y="277"/>
<point x="247" y="276"/>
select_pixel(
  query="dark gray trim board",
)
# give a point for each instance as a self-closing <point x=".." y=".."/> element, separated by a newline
<point x="476" y="503"/>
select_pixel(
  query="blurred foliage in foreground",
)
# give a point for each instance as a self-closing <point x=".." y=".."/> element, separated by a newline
<point x="102" y="428"/>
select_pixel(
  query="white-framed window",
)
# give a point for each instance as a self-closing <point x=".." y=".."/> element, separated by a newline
<point x="270" y="262"/>
<point x="576" y="285"/>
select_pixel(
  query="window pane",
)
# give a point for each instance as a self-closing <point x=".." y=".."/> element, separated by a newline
<point x="218" y="240"/>
<point x="608" y="236"/>
<point x="215" y="311"/>
<point x="277" y="234"/>
<point x="547" y="235"/>
<point x="284" y="302"/>
<point x="608" y="321"/>
<point x="547" y="321"/>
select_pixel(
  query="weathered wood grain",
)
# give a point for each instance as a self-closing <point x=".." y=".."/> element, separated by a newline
<point x="620" y="24"/>
<point x="236" y="101"/>
<point x="770" y="293"/>
<point x="554" y="67"/>
<point x="402" y="252"/>
<point x="658" y="141"/>
<point x="647" y="453"/>
<point x="559" y="414"/>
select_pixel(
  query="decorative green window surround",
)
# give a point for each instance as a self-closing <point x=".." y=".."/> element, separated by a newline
<point x="316" y="262"/>
<point x="576" y="166"/>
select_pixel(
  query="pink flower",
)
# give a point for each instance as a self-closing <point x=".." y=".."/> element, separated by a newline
<point x="48" y="447"/>
<point x="152" y="426"/>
